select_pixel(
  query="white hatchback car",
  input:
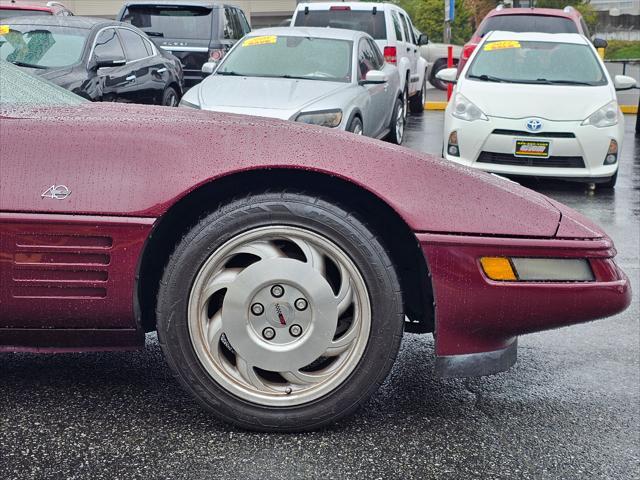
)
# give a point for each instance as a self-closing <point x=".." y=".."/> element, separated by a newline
<point x="536" y="104"/>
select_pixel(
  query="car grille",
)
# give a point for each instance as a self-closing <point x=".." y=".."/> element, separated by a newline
<point x="522" y="133"/>
<point x="509" y="159"/>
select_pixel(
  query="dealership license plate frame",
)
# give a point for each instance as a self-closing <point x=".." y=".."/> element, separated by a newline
<point x="519" y="142"/>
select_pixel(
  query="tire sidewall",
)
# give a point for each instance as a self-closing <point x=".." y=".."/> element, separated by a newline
<point x="350" y="235"/>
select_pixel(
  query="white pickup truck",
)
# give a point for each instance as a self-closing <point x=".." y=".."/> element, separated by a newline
<point x="391" y="28"/>
<point x="436" y="56"/>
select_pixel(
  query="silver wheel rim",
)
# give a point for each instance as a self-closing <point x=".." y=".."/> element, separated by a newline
<point x="256" y="285"/>
<point x="399" y="125"/>
<point x="171" y="101"/>
<point x="357" y="129"/>
<point x="423" y="92"/>
<point x="405" y="104"/>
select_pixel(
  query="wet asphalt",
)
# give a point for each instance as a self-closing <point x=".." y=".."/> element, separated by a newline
<point x="569" y="409"/>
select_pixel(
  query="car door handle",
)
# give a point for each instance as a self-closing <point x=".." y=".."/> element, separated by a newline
<point x="161" y="70"/>
<point x="130" y="78"/>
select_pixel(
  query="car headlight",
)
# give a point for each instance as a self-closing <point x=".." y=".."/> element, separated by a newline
<point x="537" y="269"/>
<point x="606" y="116"/>
<point x="184" y="103"/>
<point x="464" y="109"/>
<point x="327" y="118"/>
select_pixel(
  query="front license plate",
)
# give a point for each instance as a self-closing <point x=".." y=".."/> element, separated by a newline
<point x="532" y="148"/>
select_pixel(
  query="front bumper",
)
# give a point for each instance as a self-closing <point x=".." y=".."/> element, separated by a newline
<point x="478" y="320"/>
<point x="576" y="152"/>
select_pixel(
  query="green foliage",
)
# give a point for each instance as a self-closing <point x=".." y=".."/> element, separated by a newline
<point x="428" y="17"/>
<point x="621" y="49"/>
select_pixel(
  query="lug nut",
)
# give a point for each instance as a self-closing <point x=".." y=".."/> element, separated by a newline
<point x="257" y="309"/>
<point x="277" y="291"/>
<point x="295" y="330"/>
<point x="301" y="304"/>
<point x="268" y="333"/>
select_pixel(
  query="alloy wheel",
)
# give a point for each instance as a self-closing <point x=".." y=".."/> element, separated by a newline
<point x="279" y="316"/>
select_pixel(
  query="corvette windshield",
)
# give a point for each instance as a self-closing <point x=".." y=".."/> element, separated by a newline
<point x="21" y="88"/>
<point x="550" y="63"/>
<point x="42" y="46"/>
<point x="290" y="57"/>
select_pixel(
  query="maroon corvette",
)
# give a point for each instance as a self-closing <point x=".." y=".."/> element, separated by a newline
<point x="279" y="263"/>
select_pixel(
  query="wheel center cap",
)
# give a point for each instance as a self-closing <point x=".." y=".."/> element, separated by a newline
<point x="294" y="338"/>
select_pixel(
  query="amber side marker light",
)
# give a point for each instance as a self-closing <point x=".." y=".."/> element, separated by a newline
<point x="537" y="269"/>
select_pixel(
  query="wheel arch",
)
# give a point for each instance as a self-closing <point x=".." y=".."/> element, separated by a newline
<point x="378" y="215"/>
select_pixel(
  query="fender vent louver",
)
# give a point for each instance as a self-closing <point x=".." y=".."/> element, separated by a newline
<point x="61" y="266"/>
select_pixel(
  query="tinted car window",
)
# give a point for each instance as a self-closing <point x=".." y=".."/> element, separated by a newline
<point x="397" y="27"/>
<point x="585" y="28"/>
<point x="232" y="29"/>
<point x="12" y="12"/>
<point x="405" y="28"/>
<point x="171" y="22"/>
<point x="363" y="20"/>
<point x="43" y="46"/>
<point x="528" y="23"/>
<point x="20" y="88"/>
<point x="288" y="56"/>
<point x="367" y="59"/>
<point x="134" y="45"/>
<point x="108" y="45"/>
<point x="246" y="28"/>
<point x="378" y="57"/>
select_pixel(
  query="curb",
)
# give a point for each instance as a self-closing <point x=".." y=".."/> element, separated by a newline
<point x="630" y="109"/>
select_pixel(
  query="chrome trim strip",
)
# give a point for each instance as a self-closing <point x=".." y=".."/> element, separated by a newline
<point x="184" y="49"/>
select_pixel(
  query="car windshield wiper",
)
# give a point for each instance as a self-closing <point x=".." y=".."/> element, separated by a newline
<point x="563" y="82"/>
<point x="489" y="78"/>
<point x="154" y="34"/>
<point x="27" y="65"/>
<point x="231" y="73"/>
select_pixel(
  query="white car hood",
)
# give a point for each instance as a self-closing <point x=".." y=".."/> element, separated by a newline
<point x="263" y="97"/>
<point x="552" y="102"/>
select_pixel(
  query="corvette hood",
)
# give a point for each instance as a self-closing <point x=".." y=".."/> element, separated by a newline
<point x="552" y="102"/>
<point x="263" y="96"/>
<point x="129" y="160"/>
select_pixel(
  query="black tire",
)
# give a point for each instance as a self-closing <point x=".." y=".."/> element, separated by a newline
<point x="355" y="126"/>
<point x="416" y="103"/>
<point x="170" y="97"/>
<point x="611" y="183"/>
<point x="303" y="211"/>
<point x="439" y="65"/>
<point x="395" y="136"/>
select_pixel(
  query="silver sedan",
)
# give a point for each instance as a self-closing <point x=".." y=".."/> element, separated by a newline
<point x="322" y="76"/>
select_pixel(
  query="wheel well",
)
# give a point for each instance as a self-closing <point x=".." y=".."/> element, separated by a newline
<point x="387" y="224"/>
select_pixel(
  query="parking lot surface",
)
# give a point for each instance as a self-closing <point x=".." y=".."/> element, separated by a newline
<point x="569" y="409"/>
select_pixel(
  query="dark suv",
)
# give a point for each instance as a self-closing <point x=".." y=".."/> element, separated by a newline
<point x="194" y="31"/>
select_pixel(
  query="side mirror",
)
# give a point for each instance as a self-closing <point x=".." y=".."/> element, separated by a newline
<point x="623" y="82"/>
<point x="600" y="43"/>
<point x="423" y="39"/>
<point x="209" y="67"/>
<point x="374" y="77"/>
<point x="448" y="75"/>
<point x="101" y="62"/>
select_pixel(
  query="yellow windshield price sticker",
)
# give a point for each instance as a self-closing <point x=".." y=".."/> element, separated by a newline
<point x="501" y="45"/>
<point x="4" y="29"/>
<point x="264" y="40"/>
